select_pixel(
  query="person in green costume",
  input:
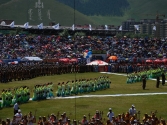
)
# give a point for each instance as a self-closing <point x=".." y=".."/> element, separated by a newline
<point x="96" y="84"/>
<point x="87" y="85"/>
<point x="67" y="89"/>
<point x="73" y="88"/>
<point x="34" y="98"/>
<point x="59" y="89"/>
<point x="63" y="90"/>
<point x="76" y="87"/>
<point x="50" y="89"/>
<point x="91" y="85"/>
<point x="79" y="86"/>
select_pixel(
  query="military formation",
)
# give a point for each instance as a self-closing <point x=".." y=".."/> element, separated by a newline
<point x="81" y="86"/>
<point x="24" y="71"/>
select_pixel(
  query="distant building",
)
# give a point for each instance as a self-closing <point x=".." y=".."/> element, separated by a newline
<point x="147" y="26"/>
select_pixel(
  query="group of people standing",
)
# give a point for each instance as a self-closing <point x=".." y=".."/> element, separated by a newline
<point x="162" y="74"/>
<point x="80" y="86"/>
<point x="43" y="91"/>
<point x="11" y="96"/>
<point x="143" y="76"/>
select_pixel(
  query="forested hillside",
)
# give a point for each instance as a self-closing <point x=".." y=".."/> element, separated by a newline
<point x="4" y="1"/>
<point x="99" y="7"/>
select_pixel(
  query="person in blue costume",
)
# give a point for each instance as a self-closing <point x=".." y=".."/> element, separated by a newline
<point x="50" y="88"/>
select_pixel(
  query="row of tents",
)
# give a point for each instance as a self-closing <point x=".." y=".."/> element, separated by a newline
<point x="76" y="60"/>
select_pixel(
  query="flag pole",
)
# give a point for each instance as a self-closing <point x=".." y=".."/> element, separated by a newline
<point x="75" y="64"/>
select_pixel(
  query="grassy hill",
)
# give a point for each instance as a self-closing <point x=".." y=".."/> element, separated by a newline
<point x="59" y="13"/>
<point x="139" y="9"/>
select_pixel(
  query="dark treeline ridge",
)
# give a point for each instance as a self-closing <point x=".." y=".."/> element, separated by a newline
<point x="98" y="7"/>
<point x="4" y="1"/>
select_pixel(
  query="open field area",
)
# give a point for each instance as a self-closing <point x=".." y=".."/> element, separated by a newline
<point x="77" y="107"/>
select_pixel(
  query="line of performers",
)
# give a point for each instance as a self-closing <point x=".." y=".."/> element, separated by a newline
<point x="9" y="97"/>
<point x="137" y="76"/>
<point x="82" y="86"/>
<point x="42" y="92"/>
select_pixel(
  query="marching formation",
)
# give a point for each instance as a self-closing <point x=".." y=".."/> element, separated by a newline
<point x="25" y="71"/>
<point x="83" y="86"/>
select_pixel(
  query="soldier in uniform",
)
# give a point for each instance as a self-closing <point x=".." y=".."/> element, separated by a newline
<point x="163" y="79"/>
<point x="144" y="82"/>
<point x="158" y="82"/>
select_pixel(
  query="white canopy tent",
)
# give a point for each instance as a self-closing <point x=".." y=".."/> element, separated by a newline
<point x="32" y="59"/>
<point x="97" y="62"/>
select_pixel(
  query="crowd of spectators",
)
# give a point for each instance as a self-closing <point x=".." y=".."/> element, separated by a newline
<point x="131" y="117"/>
<point x="19" y="46"/>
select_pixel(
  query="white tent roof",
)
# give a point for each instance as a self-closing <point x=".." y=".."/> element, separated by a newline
<point x="32" y="58"/>
<point x="97" y="62"/>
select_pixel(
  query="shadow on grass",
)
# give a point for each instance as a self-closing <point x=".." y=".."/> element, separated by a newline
<point x="146" y="89"/>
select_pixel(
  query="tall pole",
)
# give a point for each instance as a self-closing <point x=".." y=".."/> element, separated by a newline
<point x="74" y="12"/>
<point x="75" y="66"/>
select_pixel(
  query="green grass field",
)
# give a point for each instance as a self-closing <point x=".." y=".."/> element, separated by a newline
<point x="76" y="108"/>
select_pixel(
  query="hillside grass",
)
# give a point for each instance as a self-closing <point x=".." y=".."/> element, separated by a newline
<point x="138" y="9"/>
<point x="18" y="10"/>
<point x="76" y="108"/>
<point x="59" y="13"/>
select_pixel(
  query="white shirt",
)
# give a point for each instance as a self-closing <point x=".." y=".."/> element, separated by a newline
<point x="30" y="120"/>
<point x="132" y="111"/>
<point x="16" y="106"/>
<point x="110" y="115"/>
<point x="18" y="116"/>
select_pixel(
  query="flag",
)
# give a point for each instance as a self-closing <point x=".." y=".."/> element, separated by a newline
<point x="73" y="27"/>
<point x="40" y="26"/>
<point x="120" y="28"/>
<point x="154" y="27"/>
<point x="26" y="25"/>
<point x="106" y="27"/>
<point x="90" y="27"/>
<point x="136" y="27"/>
<point x="12" y="24"/>
<point x="56" y="26"/>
